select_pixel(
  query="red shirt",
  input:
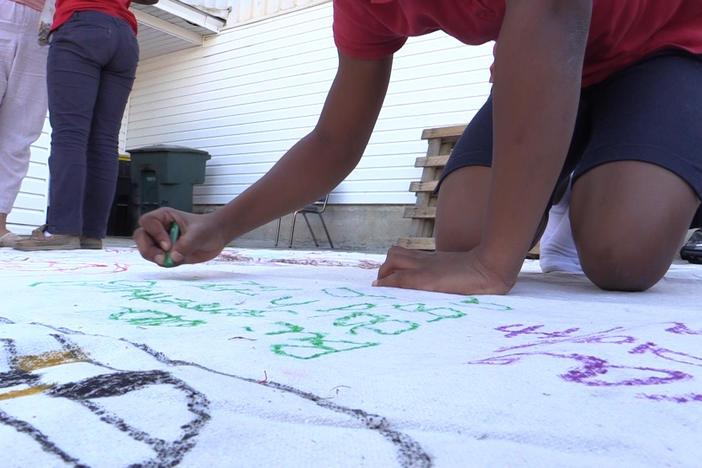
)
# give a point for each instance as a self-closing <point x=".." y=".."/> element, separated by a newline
<point x="621" y="31"/>
<point x="118" y="8"/>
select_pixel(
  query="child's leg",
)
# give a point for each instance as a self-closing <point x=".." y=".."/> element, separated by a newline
<point x="461" y="208"/>
<point x="465" y="186"/>
<point x="627" y="234"/>
<point x="639" y="182"/>
<point x="465" y="183"/>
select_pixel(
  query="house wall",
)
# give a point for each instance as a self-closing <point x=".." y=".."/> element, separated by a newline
<point x="29" y="210"/>
<point x="252" y="91"/>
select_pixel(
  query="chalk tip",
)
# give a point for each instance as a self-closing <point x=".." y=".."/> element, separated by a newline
<point x="174" y="232"/>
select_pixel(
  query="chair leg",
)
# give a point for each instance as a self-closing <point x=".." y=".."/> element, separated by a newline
<point x="292" y="230"/>
<point x="314" y="238"/>
<point x="277" y="235"/>
<point x="326" y="230"/>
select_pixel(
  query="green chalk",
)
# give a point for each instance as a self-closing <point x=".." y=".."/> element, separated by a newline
<point x="168" y="262"/>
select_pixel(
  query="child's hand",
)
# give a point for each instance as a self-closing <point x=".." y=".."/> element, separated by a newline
<point x="450" y="272"/>
<point x="199" y="239"/>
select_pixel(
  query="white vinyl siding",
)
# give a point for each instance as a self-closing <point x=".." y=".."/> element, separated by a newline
<point x="252" y="91"/>
<point x="122" y="139"/>
<point x="29" y="210"/>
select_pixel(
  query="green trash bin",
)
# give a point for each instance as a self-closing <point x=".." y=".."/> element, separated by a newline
<point x="164" y="175"/>
<point x="122" y="214"/>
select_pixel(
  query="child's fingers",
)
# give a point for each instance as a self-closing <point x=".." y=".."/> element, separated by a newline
<point x="147" y="247"/>
<point x="399" y="258"/>
<point x="406" y="279"/>
<point x="156" y="224"/>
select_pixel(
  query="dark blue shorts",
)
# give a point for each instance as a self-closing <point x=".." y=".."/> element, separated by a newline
<point x="650" y="111"/>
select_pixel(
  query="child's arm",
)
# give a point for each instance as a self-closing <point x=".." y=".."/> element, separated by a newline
<point x="311" y="168"/>
<point x="538" y="73"/>
<point x="538" y="69"/>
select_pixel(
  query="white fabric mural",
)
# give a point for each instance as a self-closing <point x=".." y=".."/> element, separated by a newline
<point x="285" y="358"/>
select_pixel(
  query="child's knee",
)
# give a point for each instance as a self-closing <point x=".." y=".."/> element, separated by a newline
<point x="616" y="267"/>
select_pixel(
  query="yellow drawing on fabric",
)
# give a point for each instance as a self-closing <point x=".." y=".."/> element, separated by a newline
<point x="31" y="363"/>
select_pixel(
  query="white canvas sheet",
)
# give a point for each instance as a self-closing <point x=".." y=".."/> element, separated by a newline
<point x="284" y="358"/>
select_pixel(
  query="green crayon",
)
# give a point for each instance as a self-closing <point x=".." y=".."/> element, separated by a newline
<point x="168" y="262"/>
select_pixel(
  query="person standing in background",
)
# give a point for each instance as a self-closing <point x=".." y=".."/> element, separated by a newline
<point x="93" y="55"/>
<point x="22" y="99"/>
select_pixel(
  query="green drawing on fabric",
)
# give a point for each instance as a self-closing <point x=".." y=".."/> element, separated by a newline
<point x="279" y="301"/>
<point x="259" y="313"/>
<point x="434" y="312"/>
<point x="316" y="346"/>
<point x="376" y="323"/>
<point x="348" y="292"/>
<point x="351" y="308"/>
<point x="189" y="304"/>
<point x="247" y="288"/>
<point x="275" y="316"/>
<point x="290" y="328"/>
<point x="484" y="305"/>
<point x="153" y="318"/>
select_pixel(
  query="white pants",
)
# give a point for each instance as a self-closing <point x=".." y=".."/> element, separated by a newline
<point x="22" y="95"/>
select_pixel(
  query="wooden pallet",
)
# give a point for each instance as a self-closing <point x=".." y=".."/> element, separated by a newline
<point x="441" y="141"/>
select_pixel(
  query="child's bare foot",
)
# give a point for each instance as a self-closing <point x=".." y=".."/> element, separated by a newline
<point x="450" y="272"/>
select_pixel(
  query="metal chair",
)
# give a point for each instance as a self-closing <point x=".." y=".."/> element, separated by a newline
<point x="318" y="208"/>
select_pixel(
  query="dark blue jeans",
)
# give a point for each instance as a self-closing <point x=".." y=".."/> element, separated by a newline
<point x="90" y="71"/>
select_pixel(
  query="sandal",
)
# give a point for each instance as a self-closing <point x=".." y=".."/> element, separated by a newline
<point x="9" y="239"/>
<point x="39" y="241"/>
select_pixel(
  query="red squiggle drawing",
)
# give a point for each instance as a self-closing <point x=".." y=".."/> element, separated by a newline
<point x="53" y="265"/>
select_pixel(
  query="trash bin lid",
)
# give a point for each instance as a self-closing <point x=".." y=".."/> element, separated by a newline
<point x="167" y="149"/>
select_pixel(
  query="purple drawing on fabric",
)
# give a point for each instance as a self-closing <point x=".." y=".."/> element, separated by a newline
<point x="510" y="333"/>
<point x="565" y="336"/>
<point x="592" y="369"/>
<point x="682" y="329"/>
<point x="689" y="398"/>
<point x="668" y="354"/>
